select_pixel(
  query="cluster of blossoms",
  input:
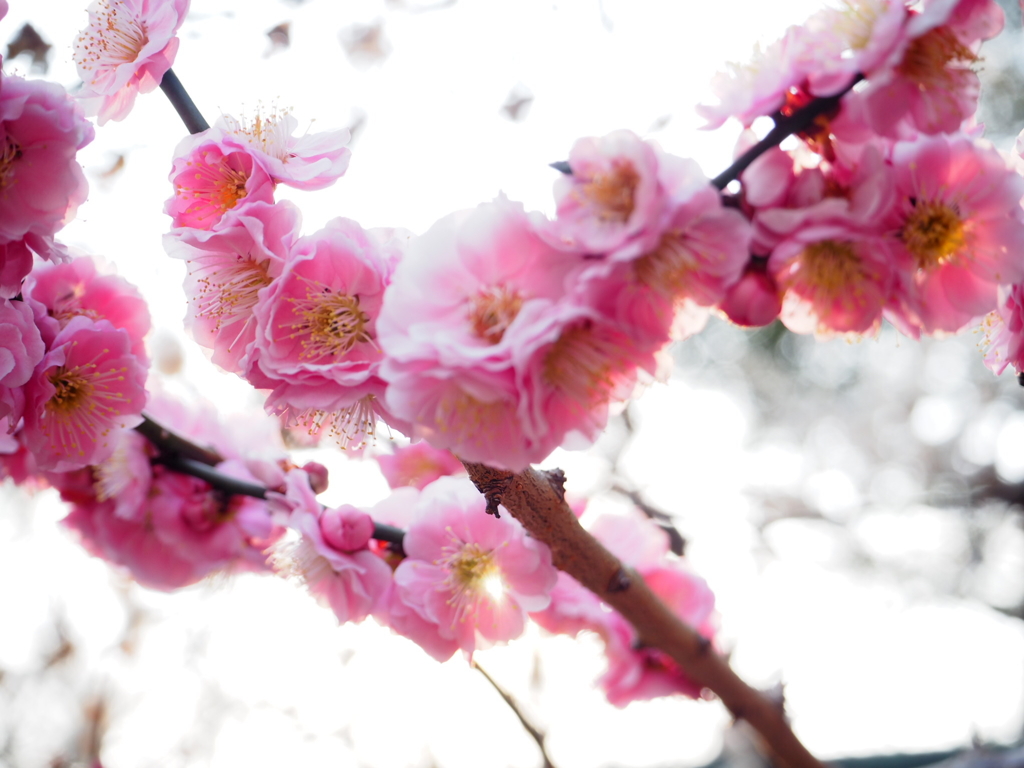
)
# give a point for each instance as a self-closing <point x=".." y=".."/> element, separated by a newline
<point x="499" y="334"/>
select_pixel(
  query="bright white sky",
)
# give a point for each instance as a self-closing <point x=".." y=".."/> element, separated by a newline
<point x="869" y="667"/>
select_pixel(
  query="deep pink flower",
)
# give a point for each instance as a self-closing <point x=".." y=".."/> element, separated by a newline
<point x="316" y="344"/>
<point x="418" y="464"/>
<point x="127" y="48"/>
<point x="960" y="229"/>
<point x="88" y="386"/>
<point x="228" y="268"/>
<point x="313" y="161"/>
<point x="211" y="177"/>
<point x="349" y="578"/>
<point x="753" y="301"/>
<point x="21" y="349"/>
<point x="59" y="292"/>
<point x="41" y="183"/>
<point x="470" y="577"/>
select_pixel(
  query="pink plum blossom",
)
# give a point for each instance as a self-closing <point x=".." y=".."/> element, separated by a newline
<point x="612" y="194"/>
<point x="41" y="183"/>
<point x="960" y="229"/>
<point x="313" y="161"/>
<point x="127" y="48"/>
<point x="211" y="177"/>
<point x="461" y="301"/>
<point x="933" y="85"/>
<point x="418" y="465"/>
<point x="468" y="578"/>
<point x="316" y="345"/>
<point x="59" y="292"/>
<point x="753" y="301"/>
<point x="21" y="349"/>
<point x="87" y="387"/>
<point x="331" y="556"/>
<point x="1004" y="332"/>
<point x="228" y="268"/>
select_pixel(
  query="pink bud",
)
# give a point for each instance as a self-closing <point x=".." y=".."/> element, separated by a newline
<point x="346" y="528"/>
<point x="754" y="300"/>
<point x="317" y="476"/>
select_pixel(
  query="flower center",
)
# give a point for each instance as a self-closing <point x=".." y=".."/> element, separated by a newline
<point x="229" y="291"/>
<point x="492" y="311"/>
<point x="933" y="234"/>
<point x="470" y="567"/>
<point x="831" y="266"/>
<point x="612" y="193"/>
<point x="854" y="21"/>
<point x="927" y="58"/>
<point x="73" y="388"/>
<point x="331" y="323"/>
<point x="214" y="187"/>
<point x="10" y="153"/>
<point x="114" y="36"/>
<point x="585" y="365"/>
<point x="267" y="134"/>
<point x="669" y="267"/>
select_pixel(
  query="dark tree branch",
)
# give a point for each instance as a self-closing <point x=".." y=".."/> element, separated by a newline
<point x="182" y="103"/>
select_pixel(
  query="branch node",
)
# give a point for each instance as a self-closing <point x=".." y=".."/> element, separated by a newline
<point x="620" y="581"/>
<point x="556" y="479"/>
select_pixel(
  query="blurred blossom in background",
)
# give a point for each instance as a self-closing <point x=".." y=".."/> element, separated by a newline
<point x="854" y="507"/>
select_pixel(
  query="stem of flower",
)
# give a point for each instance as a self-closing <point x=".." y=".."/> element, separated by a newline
<point x="182" y="103"/>
<point x="537" y="735"/>
<point x="180" y="455"/>
<point x="537" y="500"/>
<point x="785" y="125"/>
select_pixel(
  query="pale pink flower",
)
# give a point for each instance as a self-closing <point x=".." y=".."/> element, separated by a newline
<point x="331" y="556"/>
<point x="127" y="48"/>
<point x="759" y="87"/>
<point x="125" y="476"/>
<point x="228" y="268"/>
<point x="933" y="85"/>
<point x="960" y="228"/>
<point x="470" y="577"/>
<point x="460" y="302"/>
<point x="211" y="177"/>
<point x="59" y="292"/>
<point x="41" y="183"/>
<point x="88" y="386"/>
<point x="313" y="161"/>
<point x="21" y="349"/>
<point x="1004" y="332"/>
<point x="612" y="195"/>
<point x="418" y="464"/>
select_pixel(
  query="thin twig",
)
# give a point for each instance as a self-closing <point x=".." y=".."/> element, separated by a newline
<point x="182" y="103"/>
<point x="784" y="126"/>
<point x="536" y="734"/>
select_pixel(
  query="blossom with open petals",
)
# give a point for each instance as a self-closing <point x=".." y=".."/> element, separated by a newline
<point x="88" y="386"/>
<point x="127" y="48"/>
<point x="469" y="577"/>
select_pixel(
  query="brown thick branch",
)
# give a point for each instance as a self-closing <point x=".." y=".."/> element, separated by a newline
<point x="536" y="500"/>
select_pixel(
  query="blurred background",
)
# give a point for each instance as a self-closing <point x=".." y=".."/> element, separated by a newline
<point x="854" y="506"/>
